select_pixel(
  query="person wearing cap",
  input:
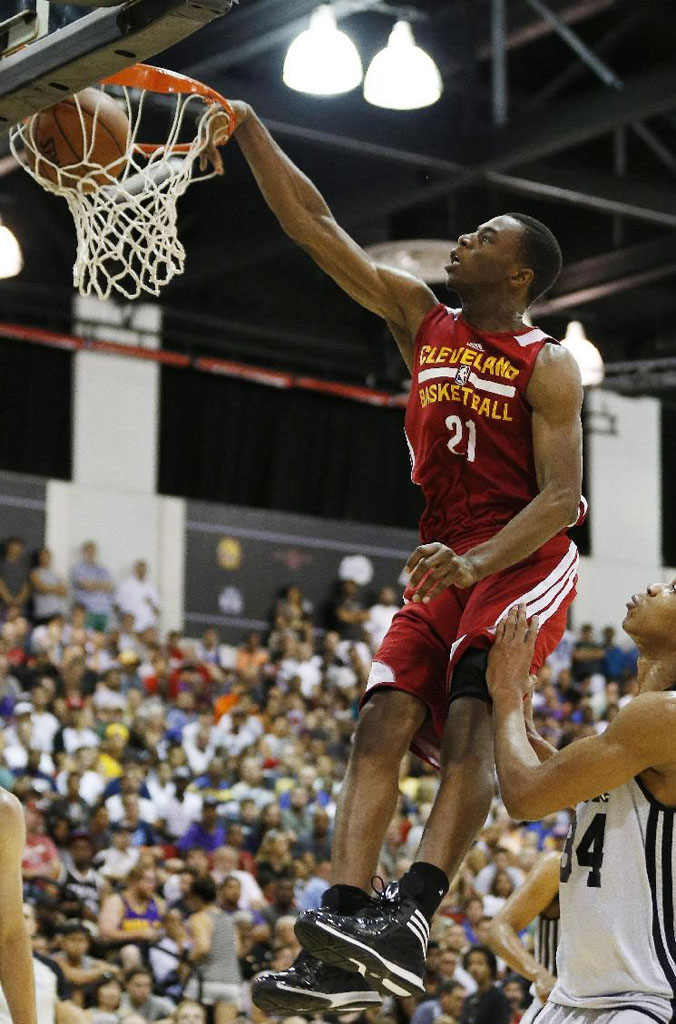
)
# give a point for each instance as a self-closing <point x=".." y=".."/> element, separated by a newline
<point x="206" y="833"/>
<point x="116" y="862"/>
<point x="82" y="883"/>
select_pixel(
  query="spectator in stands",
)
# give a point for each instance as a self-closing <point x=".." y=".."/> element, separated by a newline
<point x="41" y="857"/>
<point x="50" y="591"/>
<point x="93" y="588"/>
<point x="168" y="953"/>
<point x="179" y="808"/>
<point x="104" y="1000"/>
<point x="82" y="883"/>
<point x="448" y="1002"/>
<point x="45" y="723"/>
<point x="137" y="596"/>
<point x="488" y="1005"/>
<point x="349" y="614"/>
<point x="515" y="995"/>
<point x="80" y="970"/>
<point x="207" y="833"/>
<point x="131" y="921"/>
<point x="251" y="658"/>
<point x="14" y="575"/>
<point x="215" y="979"/>
<point x="380" y="616"/>
<point x="138" y="997"/>
<point x="587" y="654"/>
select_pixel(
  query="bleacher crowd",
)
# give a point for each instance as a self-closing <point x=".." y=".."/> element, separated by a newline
<point x="179" y="792"/>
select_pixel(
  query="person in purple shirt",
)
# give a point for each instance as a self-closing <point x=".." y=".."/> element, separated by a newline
<point x="207" y="833"/>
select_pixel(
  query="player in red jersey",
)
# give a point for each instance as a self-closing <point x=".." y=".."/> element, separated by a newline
<point x="493" y="425"/>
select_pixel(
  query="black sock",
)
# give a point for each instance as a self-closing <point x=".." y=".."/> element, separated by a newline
<point x="426" y="885"/>
<point x="345" y="899"/>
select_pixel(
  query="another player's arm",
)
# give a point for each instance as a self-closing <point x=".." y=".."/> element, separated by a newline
<point x="638" y="738"/>
<point x="525" y="903"/>
<point x="555" y="396"/>
<point x="399" y="298"/>
<point x="16" y="958"/>
<point x="540" y="746"/>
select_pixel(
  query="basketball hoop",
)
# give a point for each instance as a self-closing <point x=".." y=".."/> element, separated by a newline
<point x="125" y="212"/>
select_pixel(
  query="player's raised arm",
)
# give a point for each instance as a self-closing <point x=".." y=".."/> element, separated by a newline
<point x="397" y="297"/>
<point x="530" y="899"/>
<point x="639" y="737"/>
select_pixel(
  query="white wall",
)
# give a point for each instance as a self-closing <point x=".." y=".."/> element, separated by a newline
<point x="112" y="498"/>
<point x="623" y="449"/>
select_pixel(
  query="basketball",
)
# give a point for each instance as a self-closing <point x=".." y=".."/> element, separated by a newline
<point x="86" y="132"/>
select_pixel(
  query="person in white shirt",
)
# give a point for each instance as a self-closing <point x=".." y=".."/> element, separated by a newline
<point x="19" y="740"/>
<point x="79" y="733"/>
<point x="45" y="724"/>
<point x="116" y="862"/>
<point x="380" y="616"/>
<point x="177" y="810"/>
<point x="137" y="596"/>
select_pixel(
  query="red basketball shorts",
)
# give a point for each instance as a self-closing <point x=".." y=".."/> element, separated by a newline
<point x="425" y="641"/>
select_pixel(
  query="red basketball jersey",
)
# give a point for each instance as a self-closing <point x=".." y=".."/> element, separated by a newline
<point x="469" y="427"/>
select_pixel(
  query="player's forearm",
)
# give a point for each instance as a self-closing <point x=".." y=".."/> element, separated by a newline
<point x="288" y="192"/>
<point x="540" y="747"/>
<point x="516" y="761"/>
<point x="16" y="976"/>
<point x="505" y="942"/>
<point x="544" y="517"/>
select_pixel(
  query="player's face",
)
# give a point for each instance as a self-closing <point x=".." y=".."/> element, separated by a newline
<point x="651" y="616"/>
<point x="486" y="258"/>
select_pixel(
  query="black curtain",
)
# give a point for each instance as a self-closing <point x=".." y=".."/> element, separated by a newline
<point x="668" y="447"/>
<point x="35" y="409"/>
<point x="291" y="450"/>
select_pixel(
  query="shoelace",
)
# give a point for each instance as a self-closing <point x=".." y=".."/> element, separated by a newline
<point x="385" y="893"/>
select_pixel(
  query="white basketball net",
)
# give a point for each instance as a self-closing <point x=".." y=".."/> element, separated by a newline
<point x="127" y="238"/>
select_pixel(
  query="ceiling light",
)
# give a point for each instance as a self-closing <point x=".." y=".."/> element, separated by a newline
<point x="586" y="354"/>
<point x="402" y="76"/>
<point x="11" y="258"/>
<point x="322" y="60"/>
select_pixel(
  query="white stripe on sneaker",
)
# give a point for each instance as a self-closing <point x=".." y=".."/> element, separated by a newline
<point x="423" y="922"/>
<point x="415" y="928"/>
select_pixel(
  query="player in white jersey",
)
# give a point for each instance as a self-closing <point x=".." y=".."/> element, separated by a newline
<point x="536" y="900"/>
<point x="617" y="953"/>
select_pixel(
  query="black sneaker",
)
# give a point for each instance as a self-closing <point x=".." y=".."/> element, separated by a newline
<point x="385" y="943"/>
<point x="310" y="986"/>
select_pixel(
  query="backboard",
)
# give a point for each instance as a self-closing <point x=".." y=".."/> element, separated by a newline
<point x="50" y="49"/>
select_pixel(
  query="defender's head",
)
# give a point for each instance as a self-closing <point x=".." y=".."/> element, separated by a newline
<point x="514" y="255"/>
<point x="651" y="618"/>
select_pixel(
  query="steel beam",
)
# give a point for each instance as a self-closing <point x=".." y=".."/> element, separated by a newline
<point x="621" y="270"/>
<point x="586" y="55"/>
<point x="572" y="122"/>
<point x="582" y="10"/>
<point x="499" y="61"/>
<point x="576" y="69"/>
